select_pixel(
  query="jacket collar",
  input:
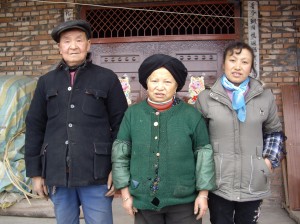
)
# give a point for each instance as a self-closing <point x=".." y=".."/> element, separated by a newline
<point x="62" y="64"/>
<point x="150" y="109"/>
<point x="219" y="93"/>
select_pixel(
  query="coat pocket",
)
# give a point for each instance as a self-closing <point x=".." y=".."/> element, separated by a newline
<point x="102" y="160"/>
<point x="260" y="176"/>
<point x="138" y="186"/>
<point x="52" y="103"/>
<point x="185" y="189"/>
<point x="43" y="156"/>
<point x="94" y="102"/>
<point x="218" y="158"/>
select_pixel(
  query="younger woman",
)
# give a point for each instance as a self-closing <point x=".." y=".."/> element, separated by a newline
<point x="246" y="135"/>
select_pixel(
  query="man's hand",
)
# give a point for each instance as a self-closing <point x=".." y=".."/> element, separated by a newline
<point x="39" y="186"/>
<point x="110" y="186"/>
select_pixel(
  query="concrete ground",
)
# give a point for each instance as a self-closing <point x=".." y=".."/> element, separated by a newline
<point x="43" y="209"/>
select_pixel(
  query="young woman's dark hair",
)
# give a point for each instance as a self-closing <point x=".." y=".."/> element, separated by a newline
<point x="236" y="48"/>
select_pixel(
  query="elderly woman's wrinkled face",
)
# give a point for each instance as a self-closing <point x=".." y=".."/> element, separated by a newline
<point x="161" y="85"/>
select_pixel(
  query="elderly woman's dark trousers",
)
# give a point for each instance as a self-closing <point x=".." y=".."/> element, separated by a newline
<point x="175" y="214"/>
<point x="223" y="211"/>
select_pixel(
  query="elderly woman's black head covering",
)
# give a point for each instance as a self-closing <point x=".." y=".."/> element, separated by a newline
<point x="156" y="61"/>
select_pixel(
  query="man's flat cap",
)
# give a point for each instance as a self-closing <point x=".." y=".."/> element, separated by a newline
<point x="69" y="25"/>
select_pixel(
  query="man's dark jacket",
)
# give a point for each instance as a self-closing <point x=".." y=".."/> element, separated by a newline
<point x="70" y="129"/>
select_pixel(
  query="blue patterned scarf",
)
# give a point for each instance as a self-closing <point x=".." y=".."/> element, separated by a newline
<point x="238" y="100"/>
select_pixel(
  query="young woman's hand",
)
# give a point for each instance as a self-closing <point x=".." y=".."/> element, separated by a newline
<point x="269" y="164"/>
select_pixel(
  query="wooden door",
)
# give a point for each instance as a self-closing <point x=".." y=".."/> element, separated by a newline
<point x="291" y="113"/>
<point x="202" y="58"/>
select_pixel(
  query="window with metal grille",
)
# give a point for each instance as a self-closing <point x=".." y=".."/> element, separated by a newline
<point x="188" y="21"/>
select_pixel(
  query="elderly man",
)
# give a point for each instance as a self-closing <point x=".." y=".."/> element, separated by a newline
<point x="72" y="121"/>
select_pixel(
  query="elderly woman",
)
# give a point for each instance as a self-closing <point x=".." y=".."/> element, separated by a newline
<point x="162" y="159"/>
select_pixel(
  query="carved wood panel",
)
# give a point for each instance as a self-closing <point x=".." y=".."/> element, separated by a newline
<point x="202" y="58"/>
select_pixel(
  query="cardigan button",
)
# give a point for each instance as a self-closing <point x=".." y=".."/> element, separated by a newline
<point x="155" y="123"/>
<point x="72" y="106"/>
<point x="70" y="125"/>
<point x="155" y="137"/>
<point x="66" y="142"/>
<point x="156" y="113"/>
<point x="69" y="88"/>
<point x="158" y="154"/>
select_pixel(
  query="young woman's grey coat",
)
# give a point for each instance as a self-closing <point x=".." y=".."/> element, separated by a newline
<point x="241" y="172"/>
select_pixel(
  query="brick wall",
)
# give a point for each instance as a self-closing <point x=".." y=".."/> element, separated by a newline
<point x="279" y="30"/>
<point x="26" y="47"/>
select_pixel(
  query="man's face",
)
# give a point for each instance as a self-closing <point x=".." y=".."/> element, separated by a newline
<point x="74" y="46"/>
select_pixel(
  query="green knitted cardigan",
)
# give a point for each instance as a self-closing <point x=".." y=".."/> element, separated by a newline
<point x="164" y="157"/>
